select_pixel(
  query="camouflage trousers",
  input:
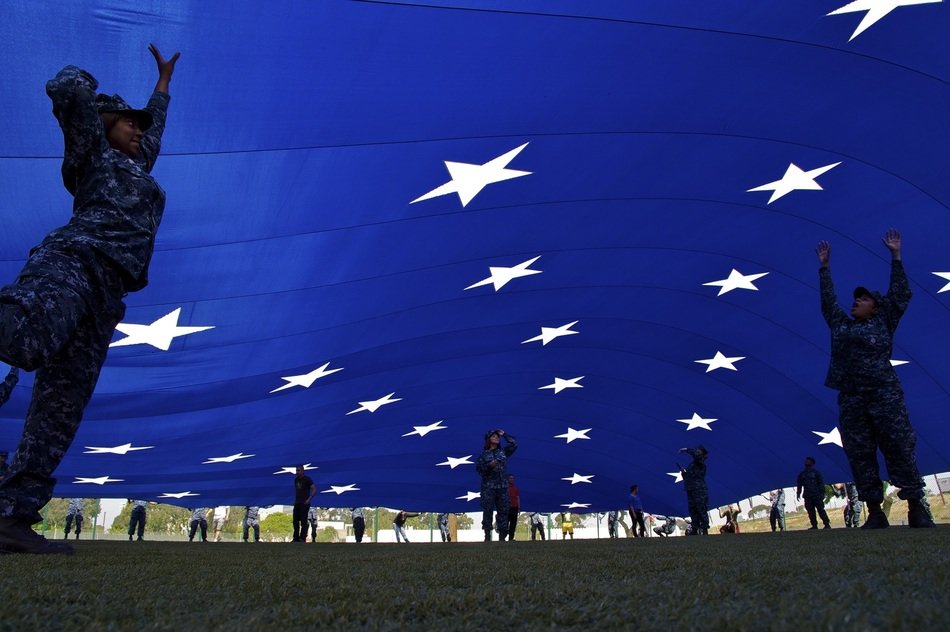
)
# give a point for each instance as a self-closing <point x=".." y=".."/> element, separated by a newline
<point x="877" y="419"/>
<point x="813" y="506"/>
<point x="697" y="501"/>
<point x="58" y="319"/>
<point x="69" y="522"/>
<point x="495" y="499"/>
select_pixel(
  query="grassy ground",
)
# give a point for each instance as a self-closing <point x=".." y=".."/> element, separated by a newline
<point x="819" y="580"/>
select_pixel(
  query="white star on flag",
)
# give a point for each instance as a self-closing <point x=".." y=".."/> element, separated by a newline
<point x="579" y="478"/>
<point x="720" y="361"/>
<point x="468" y="180"/>
<point x="424" y="430"/>
<point x="794" y="180"/>
<point x="293" y="469"/>
<point x="577" y="505"/>
<point x="559" y="384"/>
<point x="307" y="379"/>
<point x="946" y="277"/>
<point x="374" y="405"/>
<point x="677" y="476"/>
<point x="829" y="437"/>
<point x="697" y="422"/>
<point x="177" y="495"/>
<point x="469" y="496"/>
<point x="159" y="334"/>
<point x="102" y="480"/>
<point x="550" y="333"/>
<point x="899" y="362"/>
<point x="572" y="434"/>
<point x="119" y="449"/>
<point x="499" y="277"/>
<point x="453" y="462"/>
<point x="227" y="459"/>
<point x="335" y="489"/>
<point x="737" y="281"/>
<point x="876" y="9"/>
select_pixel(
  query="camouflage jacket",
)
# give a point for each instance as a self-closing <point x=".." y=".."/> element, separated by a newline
<point x="861" y="350"/>
<point x="811" y="485"/>
<point x="199" y="514"/>
<point x="496" y="477"/>
<point x="117" y="205"/>
<point x="74" y="508"/>
<point x="694" y="476"/>
<point x="6" y="388"/>
<point x="251" y="514"/>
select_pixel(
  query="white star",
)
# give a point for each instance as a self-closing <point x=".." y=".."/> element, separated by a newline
<point x="677" y="476"/>
<point x="697" y="422"/>
<point x="499" y="277"/>
<point x="946" y="277"/>
<point x="550" y="333"/>
<point x="453" y="462"/>
<point x="177" y="495"/>
<point x="572" y="434"/>
<point x="159" y="334"/>
<point x="737" y="281"/>
<point x="227" y="459"/>
<point x="119" y="449"/>
<point x="829" y="437"/>
<point x="876" y="9"/>
<point x="307" y="379"/>
<point x="469" y="496"/>
<point x="102" y="480"/>
<point x="794" y="180"/>
<point x="720" y="362"/>
<point x="577" y="505"/>
<point x="559" y="384"/>
<point x="374" y="405"/>
<point x="579" y="478"/>
<point x="293" y="469"/>
<point x="468" y="180"/>
<point x="424" y="430"/>
<point x="899" y="362"/>
<point x="334" y="489"/>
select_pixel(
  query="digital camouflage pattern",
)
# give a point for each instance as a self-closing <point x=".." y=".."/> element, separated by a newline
<point x="697" y="494"/>
<point x="494" y="487"/>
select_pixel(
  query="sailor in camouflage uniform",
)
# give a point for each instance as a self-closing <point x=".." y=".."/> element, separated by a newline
<point x="252" y="521"/>
<point x="872" y="413"/>
<point x="492" y="464"/>
<point x="777" y="510"/>
<point x="697" y="494"/>
<point x="73" y="513"/>
<point x="199" y="518"/>
<point x="137" y="519"/>
<point x="852" y="511"/>
<point x="59" y="316"/>
<point x="444" y="527"/>
<point x="811" y="486"/>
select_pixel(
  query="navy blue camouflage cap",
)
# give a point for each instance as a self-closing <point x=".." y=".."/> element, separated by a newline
<point x="863" y="291"/>
<point x="106" y="103"/>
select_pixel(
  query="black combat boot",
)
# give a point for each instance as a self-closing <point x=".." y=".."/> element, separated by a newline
<point x="17" y="536"/>
<point x="876" y="518"/>
<point x="917" y="516"/>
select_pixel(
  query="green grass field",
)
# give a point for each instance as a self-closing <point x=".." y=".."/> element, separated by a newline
<point x="820" y="580"/>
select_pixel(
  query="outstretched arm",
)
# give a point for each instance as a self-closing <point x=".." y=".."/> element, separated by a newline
<point x="898" y="293"/>
<point x="73" y="93"/>
<point x="830" y="309"/>
<point x="151" y="143"/>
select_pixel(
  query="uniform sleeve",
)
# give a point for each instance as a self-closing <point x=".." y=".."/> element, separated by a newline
<point x="151" y="144"/>
<point x="73" y="92"/>
<point x="829" y="300"/>
<point x="898" y="295"/>
<point x="510" y="446"/>
<point x="6" y="388"/>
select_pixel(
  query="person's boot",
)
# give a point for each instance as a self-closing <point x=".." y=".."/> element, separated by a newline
<point x="17" y="536"/>
<point x="917" y="516"/>
<point x="77" y="535"/>
<point x="130" y="537"/>
<point x="66" y="537"/>
<point x="876" y="518"/>
<point x="487" y="535"/>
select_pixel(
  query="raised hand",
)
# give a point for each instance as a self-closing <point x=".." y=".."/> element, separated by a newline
<point x="165" y="68"/>
<point x="892" y="239"/>
<point x="823" y="250"/>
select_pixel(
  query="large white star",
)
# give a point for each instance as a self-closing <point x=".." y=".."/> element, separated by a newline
<point x="579" y="478"/>
<point x="550" y="333"/>
<point x="159" y="334"/>
<point x="227" y="459"/>
<point x="119" y="449"/>
<point x="499" y="277"/>
<point x="946" y="277"/>
<point x="577" y="505"/>
<point x="453" y="462"/>
<point x="794" y="180"/>
<point x="469" y="496"/>
<point x="374" y="405"/>
<point x="424" y="430"/>
<point x="560" y="384"/>
<point x="572" y="434"/>
<point x="177" y="495"/>
<point x="307" y="379"/>
<point x="340" y="489"/>
<point x="720" y="361"/>
<point x="876" y="9"/>
<point x="737" y="281"/>
<point x="102" y="480"/>
<point x="697" y="422"/>
<point x="899" y="362"/>
<point x="468" y="180"/>
<point x="829" y="437"/>
<point x="677" y="476"/>
<point x="293" y="469"/>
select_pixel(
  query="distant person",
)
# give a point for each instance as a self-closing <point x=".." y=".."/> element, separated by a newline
<point x="731" y="514"/>
<point x="667" y="528"/>
<point x="74" y="513"/>
<point x="492" y="466"/>
<point x="399" y="523"/>
<point x="137" y="519"/>
<point x="613" y="517"/>
<point x="251" y="521"/>
<point x="304" y="491"/>
<point x="854" y="508"/>
<point x="443" y="521"/>
<point x="812" y="486"/>
<point x="697" y="494"/>
<point x="313" y="521"/>
<point x="872" y="414"/>
<point x="635" y="506"/>
<point x="777" y="509"/>
<point x="199" y="518"/>
<point x="567" y="525"/>
<point x="514" y="507"/>
<point x="220" y="517"/>
<point x="537" y="524"/>
<point x="359" y="524"/>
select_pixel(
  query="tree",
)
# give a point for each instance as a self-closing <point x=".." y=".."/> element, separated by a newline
<point x="277" y="526"/>
<point x="763" y="509"/>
